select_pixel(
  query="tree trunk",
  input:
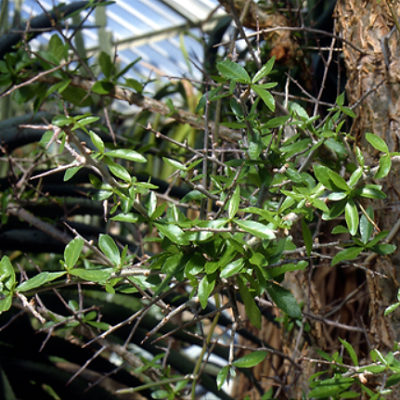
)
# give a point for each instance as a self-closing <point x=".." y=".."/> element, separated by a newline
<point x="373" y="68"/>
<point x="365" y="24"/>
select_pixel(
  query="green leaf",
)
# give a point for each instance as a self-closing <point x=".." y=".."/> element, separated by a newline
<point x="72" y="252"/>
<point x="102" y="87"/>
<point x="330" y="387"/>
<point x="206" y="286"/>
<point x="250" y="306"/>
<point x="383" y="249"/>
<point x="129" y="217"/>
<point x="266" y="97"/>
<point x="371" y="192"/>
<point x="351" y="215"/>
<point x="231" y="70"/>
<point x="340" y="99"/>
<point x="7" y="274"/>
<point x="350" y="350"/>
<point x="127" y="154"/>
<point x="338" y="180"/>
<point x="97" y="141"/>
<point x="39" y="280"/>
<point x="5" y="304"/>
<point x="274" y="272"/>
<point x="250" y="360"/>
<point x="134" y="84"/>
<point x="175" y="164"/>
<point x="232" y="268"/>
<point x="118" y="170"/>
<point x="70" y="172"/>
<point x="345" y="255"/>
<point x="307" y="237"/>
<point x="284" y="300"/>
<point x="391" y="308"/>
<point x="99" y="325"/>
<point x="92" y="275"/>
<point x="222" y="375"/>
<point x="61" y="120"/>
<point x="377" y="142"/>
<point x="234" y="203"/>
<point x="366" y="228"/>
<point x="173" y="233"/>
<point x="106" y="64"/>
<point x="393" y="380"/>
<point x="110" y="249"/>
<point x="385" y="163"/>
<point x="264" y="71"/>
<point x="193" y="195"/>
<point x="56" y="47"/>
<point x="355" y="177"/>
<point x="256" y="229"/>
<point x="322" y="175"/>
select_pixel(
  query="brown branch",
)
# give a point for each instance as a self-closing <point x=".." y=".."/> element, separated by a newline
<point x="147" y="103"/>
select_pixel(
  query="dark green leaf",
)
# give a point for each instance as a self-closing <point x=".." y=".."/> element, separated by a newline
<point x="110" y="249"/>
<point x="348" y="254"/>
<point x="231" y="70"/>
<point x="72" y="252"/>
<point x="70" y="172"/>
<point x="250" y="360"/>
<point x="106" y="64"/>
<point x="39" y="280"/>
<point x="206" y="287"/>
<point x="250" y="306"/>
<point x="102" y="87"/>
<point x="134" y="84"/>
<point x="393" y="380"/>
<point x="383" y="249"/>
<point x="284" y="300"/>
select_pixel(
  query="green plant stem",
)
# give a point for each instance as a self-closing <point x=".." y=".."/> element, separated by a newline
<point x="205" y="346"/>
<point x="152" y="384"/>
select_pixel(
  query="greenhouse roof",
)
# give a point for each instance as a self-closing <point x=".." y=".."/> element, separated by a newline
<point x="161" y="32"/>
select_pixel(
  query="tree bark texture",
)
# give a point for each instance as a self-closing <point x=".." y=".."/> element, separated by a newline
<point x="375" y="65"/>
<point x="366" y="23"/>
